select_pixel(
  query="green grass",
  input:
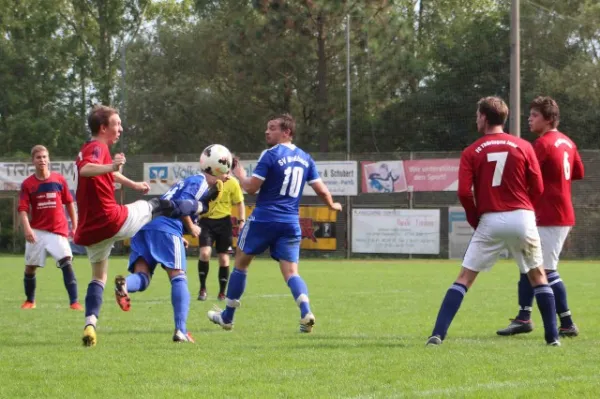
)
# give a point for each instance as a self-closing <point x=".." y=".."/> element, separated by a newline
<point x="373" y="318"/>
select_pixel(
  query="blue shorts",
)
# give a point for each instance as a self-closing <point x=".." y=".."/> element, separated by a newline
<point x="283" y="239"/>
<point x="157" y="247"/>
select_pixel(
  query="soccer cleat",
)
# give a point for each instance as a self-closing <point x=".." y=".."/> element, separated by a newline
<point x="307" y="323"/>
<point x="28" y="305"/>
<point x="202" y="295"/>
<point x="221" y="296"/>
<point x="570" y="332"/>
<point x="161" y="206"/>
<point x="76" y="306"/>
<point x="215" y="316"/>
<point x="89" y="335"/>
<point x="178" y="336"/>
<point x="554" y="343"/>
<point x="434" y="340"/>
<point x="516" y="326"/>
<point x="121" y="294"/>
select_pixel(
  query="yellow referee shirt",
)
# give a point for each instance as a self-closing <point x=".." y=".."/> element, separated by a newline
<point x="232" y="195"/>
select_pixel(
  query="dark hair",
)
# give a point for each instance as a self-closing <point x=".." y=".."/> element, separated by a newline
<point x="99" y="116"/>
<point x="286" y="122"/>
<point x="548" y="108"/>
<point x="494" y="109"/>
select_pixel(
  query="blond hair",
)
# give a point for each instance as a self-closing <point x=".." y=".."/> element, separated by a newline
<point x="38" y="148"/>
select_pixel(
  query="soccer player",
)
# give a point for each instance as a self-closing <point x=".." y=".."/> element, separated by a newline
<point x="217" y="228"/>
<point x="280" y="175"/>
<point x="161" y="241"/>
<point x="102" y="221"/>
<point x="506" y="179"/>
<point x="43" y="194"/>
<point x="560" y="164"/>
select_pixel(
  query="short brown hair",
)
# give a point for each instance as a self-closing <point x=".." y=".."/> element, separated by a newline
<point x="548" y="108"/>
<point x="494" y="109"/>
<point x="286" y="122"/>
<point x="38" y="148"/>
<point x="99" y="117"/>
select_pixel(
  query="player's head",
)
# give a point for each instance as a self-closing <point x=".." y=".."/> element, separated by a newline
<point x="105" y="124"/>
<point x="280" y="129"/>
<point x="491" y="111"/>
<point x="544" y="115"/>
<point x="40" y="157"/>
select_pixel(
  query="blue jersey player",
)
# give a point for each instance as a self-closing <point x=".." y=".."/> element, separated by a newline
<point x="161" y="241"/>
<point x="280" y="175"/>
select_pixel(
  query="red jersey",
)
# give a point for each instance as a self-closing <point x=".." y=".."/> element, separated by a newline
<point x="560" y="164"/>
<point x="100" y="217"/>
<point x="504" y="173"/>
<point x="44" y="200"/>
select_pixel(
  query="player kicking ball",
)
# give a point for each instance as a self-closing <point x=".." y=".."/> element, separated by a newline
<point x="560" y="164"/>
<point x="280" y="175"/>
<point x="161" y="241"/>
<point x="505" y="176"/>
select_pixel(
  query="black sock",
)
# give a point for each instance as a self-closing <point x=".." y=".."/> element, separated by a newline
<point x="223" y="277"/>
<point x="70" y="282"/>
<point x="29" y="282"/>
<point x="202" y="273"/>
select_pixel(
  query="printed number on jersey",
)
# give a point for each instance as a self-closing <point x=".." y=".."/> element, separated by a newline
<point x="292" y="183"/>
<point x="567" y="166"/>
<point x="169" y="194"/>
<point x="500" y="159"/>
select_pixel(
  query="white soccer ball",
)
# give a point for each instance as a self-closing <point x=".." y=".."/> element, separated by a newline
<point x="215" y="160"/>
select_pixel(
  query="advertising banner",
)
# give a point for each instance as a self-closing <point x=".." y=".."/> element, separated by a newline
<point x="12" y="174"/>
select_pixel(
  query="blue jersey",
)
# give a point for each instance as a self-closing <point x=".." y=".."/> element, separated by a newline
<point x="192" y="187"/>
<point x="284" y="170"/>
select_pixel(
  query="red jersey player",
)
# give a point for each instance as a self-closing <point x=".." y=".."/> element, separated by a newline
<point x="506" y="180"/>
<point x="102" y="221"/>
<point x="43" y="195"/>
<point x="560" y="164"/>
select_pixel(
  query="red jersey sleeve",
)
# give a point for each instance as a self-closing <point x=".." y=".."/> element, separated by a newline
<point x="534" y="174"/>
<point x="67" y="198"/>
<point x="540" y="151"/>
<point x="94" y="153"/>
<point x="578" y="170"/>
<point x="465" y="184"/>
<point x="24" y="202"/>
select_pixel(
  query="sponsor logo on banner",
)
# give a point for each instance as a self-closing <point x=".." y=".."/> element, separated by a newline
<point x="459" y="232"/>
<point x="415" y="175"/>
<point x="396" y="231"/>
<point x="341" y="177"/>
<point x="12" y="174"/>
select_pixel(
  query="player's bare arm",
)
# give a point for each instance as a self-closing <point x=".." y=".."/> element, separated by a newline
<point x="323" y="193"/>
<point x="241" y="208"/>
<point x="250" y="184"/>
<point x="72" y="215"/>
<point x="142" y="186"/>
<point x="190" y="226"/>
<point x="27" y="230"/>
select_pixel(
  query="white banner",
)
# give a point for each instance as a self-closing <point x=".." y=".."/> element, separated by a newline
<point x="396" y="231"/>
<point x="459" y="232"/>
<point x="12" y="174"/>
<point x="340" y="176"/>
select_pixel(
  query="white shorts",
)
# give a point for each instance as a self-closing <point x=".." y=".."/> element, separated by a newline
<point x="139" y="214"/>
<point x="514" y="230"/>
<point x="45" y="241"/>
<point x="553" y="238"/>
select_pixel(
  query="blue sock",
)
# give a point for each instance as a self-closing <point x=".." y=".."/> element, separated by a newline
<point x="29" y="283"/>
<point x="70" y="281"/>
<point x="525" y="298"/>
<point x="545" y="301"/>
<point x="300" y="293"/>
<point x="137" y="282"/>
<point x="560" y="296"/>
<point x="93" y="298"/>
<point x="448" y="310"/>
<point x="180" y="299"/>
<point x="235" y="289"/>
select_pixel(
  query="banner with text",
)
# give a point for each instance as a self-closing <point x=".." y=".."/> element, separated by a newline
<point x="459" y="232"/>
<point x="416" y="175"/>
<point x="340" y="176"/>
<point x="396" y="231"/>
<point x="12" y="174"/>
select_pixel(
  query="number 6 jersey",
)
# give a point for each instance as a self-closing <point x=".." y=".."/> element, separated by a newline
<point x="504" y="173"/>
<point x="284" y="169"/>
<point x="560" y="164"/>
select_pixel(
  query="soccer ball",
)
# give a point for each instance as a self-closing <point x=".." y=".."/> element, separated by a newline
<point x="215" y="160"/>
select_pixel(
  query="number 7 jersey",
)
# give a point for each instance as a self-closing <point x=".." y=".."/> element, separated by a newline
<point x="284" y="170"/>
<point x="504" y="173"/>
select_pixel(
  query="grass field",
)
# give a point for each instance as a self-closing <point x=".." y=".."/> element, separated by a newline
<point x="373" y="318"/>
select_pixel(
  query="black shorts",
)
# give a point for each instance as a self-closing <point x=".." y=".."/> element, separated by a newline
<point x="218" y="231"/>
